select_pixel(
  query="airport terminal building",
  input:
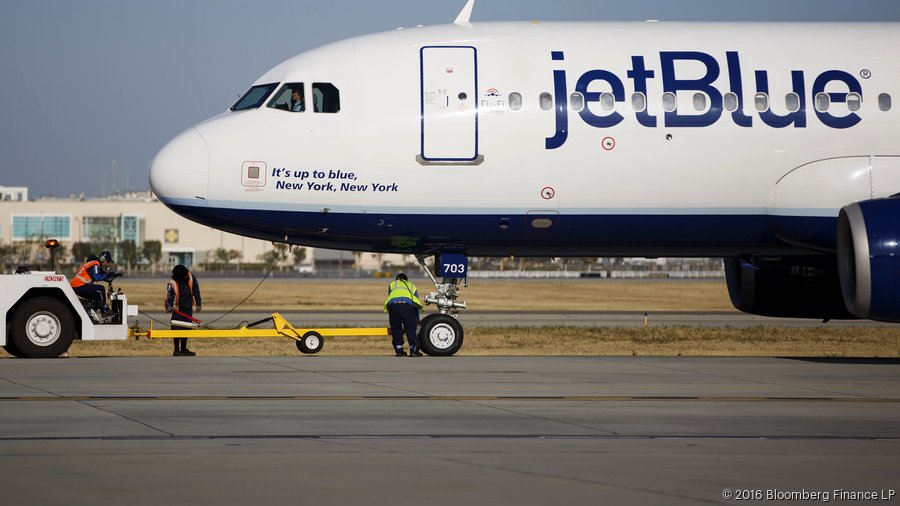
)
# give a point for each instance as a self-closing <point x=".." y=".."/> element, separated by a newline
<point x="141" y="217"/>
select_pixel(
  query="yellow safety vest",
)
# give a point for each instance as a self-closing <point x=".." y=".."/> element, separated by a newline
<point x="402" y="290"/>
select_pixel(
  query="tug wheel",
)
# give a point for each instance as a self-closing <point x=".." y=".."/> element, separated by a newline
<point x="310" y="343"/>
<point x="10" y="348"/>
<point x="42" y="327"/>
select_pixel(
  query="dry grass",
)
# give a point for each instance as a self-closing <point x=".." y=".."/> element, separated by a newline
<point x="685" y="340"/>
<point x="514" y="295"/>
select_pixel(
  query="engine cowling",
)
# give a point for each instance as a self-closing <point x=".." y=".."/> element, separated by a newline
<point x="869" y="258"/>
<point x="789" y="287"/>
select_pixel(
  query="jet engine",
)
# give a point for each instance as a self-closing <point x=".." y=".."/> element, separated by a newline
<point x="792" y="287"/>
<point x="868" y="244"/>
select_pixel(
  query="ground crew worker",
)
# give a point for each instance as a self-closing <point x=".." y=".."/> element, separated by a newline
<point x="402" y="306"/>
<point x="182" y="291"/>
<point x="94" y="269"/>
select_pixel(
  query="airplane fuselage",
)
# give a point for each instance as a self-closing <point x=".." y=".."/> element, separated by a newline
<point x="655" y="139"/>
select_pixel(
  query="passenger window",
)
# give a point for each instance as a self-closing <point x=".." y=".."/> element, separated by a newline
<point x="254" y="97"/>
<point x="576" y="101"/>
<point x="792" y="102"/>
<point x="761" y="100"/>
<point x="854" y="101"/>
<point x="730" y="102"/>
<point x="884" y="102"/>
<point x="515" y="101"/>
<point x="546" y="101"/>
<point x="289" y="98"/>
<point x="639" y="102"/>
<point x="669" y="102"/>
<point x="823" y="102"/>
<point x="607" y="101"/>
<point x="326" y="98"/>
<point x="700" y="102"/>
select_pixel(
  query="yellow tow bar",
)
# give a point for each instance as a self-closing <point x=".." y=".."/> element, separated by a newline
<point x="308" y="340"/>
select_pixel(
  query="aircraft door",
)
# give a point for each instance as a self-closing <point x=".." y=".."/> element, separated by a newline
<point x="449" y="105"/>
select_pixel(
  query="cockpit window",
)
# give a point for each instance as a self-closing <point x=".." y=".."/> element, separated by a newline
<point x="254" y="97"/>
<point x="289" y="98"/>
<point x="326" y="97"/>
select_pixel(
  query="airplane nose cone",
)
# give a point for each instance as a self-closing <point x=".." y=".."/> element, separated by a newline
<point x="179" y="173"/>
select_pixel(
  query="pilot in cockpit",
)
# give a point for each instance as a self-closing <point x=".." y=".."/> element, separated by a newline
<point x="297" y="100"/>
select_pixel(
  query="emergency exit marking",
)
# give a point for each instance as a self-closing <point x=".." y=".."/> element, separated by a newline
<point x="608" y="143"/>
<point x="548" y="193"/>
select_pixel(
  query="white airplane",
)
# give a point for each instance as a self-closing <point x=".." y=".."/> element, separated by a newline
<point x="773" y="145"/>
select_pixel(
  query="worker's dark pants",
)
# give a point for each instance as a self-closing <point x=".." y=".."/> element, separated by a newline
<point x="403" y="316"/>
<point x="95" y="293"/>
<point x="180" y="342"/>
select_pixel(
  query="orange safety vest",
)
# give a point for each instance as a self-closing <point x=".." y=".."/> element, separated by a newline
<point x="174" y="285"/>
<point x="83" y="277"/>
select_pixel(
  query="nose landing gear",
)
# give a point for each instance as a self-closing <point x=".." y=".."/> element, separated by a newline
<point x="441" y="334"/>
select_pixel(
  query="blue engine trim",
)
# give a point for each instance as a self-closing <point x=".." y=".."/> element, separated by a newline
<point x="514" y="234"/>
<point x="882" y="218"/>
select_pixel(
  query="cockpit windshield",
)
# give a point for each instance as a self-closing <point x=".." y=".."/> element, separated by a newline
<point x="254" y="97"/>
<point x="289" y="98"/>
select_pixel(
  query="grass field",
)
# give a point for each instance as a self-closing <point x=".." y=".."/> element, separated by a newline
<point x="520" y="295"/>
<point x="485" y="294"/>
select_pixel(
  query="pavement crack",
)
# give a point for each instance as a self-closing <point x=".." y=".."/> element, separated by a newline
<point x="538" y="417"/>
<point x="126" y="417"/>
<point x="342" y="378"/>
<point x="84" y="403"/>
<point x="48" y="392"/>
<point x="830" y="393"/>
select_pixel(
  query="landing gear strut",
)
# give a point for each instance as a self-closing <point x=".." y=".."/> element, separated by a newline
<point x="441" y="334"/>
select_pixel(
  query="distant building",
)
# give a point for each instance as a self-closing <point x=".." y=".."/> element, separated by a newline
<point x="141" y="217"/>
<point x="13" y="193"/>
<point x="138" y="217"/>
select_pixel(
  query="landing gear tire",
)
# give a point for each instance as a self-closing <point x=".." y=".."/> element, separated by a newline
<point x="310" y="343"/>
<point x="42" y="328"/>
<point x="440" y="335"/>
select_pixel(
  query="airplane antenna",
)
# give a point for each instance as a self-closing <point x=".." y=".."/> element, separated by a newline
<point x="465" y="14"/>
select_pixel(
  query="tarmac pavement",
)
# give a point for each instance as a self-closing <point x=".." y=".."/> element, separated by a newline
<point x="457" y="430"/>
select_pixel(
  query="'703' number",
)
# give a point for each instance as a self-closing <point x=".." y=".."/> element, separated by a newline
<point x="455" y="268"/>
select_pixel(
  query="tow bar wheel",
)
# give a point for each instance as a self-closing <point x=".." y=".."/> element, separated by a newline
<point x="310" y="343"/>
<point x="441" y="335"/>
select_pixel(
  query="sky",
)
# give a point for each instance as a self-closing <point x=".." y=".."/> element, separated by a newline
<point x="91" y="89"/>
